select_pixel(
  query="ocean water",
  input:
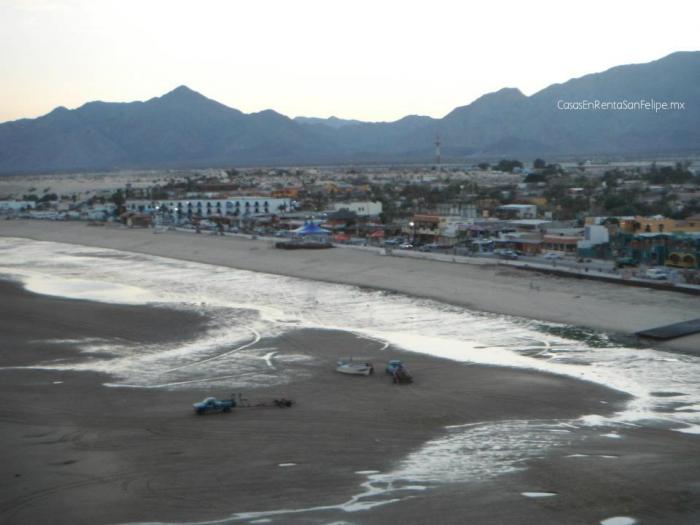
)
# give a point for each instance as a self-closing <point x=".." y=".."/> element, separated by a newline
<point x="248" y="306"/>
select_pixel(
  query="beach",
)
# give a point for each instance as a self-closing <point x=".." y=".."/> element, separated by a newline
<point x="489" y="288"/>
<point x="96" y="394"/>
<point x="75" y="451"/>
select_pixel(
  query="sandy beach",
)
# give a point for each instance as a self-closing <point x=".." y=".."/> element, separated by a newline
<point x="75" y="451"/>
<point x="597" y="305"/>
<point x="465" y="443"/>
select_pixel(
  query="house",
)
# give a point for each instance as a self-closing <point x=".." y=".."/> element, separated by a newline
<point x="563" y="240"/>
<point x="530" y="225"/>
<point x="595" y="242"/>
<point x="360" y="208"/>
<point x="672" y="249"/>
<point x="198" y="207"/>
<point x="517" y="211"/>
<point x="16" y="206"/>
<point x="466" y="210"/>
<point x="659" y="224"/>
<point x="522" y="242"/>
<point x="423" y="229"/>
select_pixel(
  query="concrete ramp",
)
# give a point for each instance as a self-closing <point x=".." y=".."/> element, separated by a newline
<point x="671" y="331"/>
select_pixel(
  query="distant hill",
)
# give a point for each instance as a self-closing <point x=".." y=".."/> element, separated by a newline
<point x="333" y="122"/>
<point x="185" y="129"/>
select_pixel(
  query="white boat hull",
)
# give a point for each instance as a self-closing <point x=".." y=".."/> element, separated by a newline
<point x="355" y="369"/>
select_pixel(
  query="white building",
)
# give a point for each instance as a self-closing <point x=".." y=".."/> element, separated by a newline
<point x="233" y="207"/>
<point x="360" y="208"/>
<point x="16" y="206"/>
<point x="518" y="211"/>
<point x="457" y="209"/>
<point x="593" y="235"/>
<point x="98" y="212"/>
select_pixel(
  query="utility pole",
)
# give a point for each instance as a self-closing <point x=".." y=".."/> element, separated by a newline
<point x="438" y="158"/>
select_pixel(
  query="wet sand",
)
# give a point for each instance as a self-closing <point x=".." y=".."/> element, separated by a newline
<point x="75" y="451"/>
<point x="602" y="306"/>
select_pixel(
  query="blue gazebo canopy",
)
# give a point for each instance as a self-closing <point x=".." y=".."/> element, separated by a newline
<point x="310" y="228"/>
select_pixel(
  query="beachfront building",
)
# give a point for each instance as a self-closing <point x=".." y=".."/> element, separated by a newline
<point x="436" y="229"/>
<point x="659" y="224"/>
<point x="595" y="242"/>
<point x="465" y="210"/>
<point x="564" y="240"/>
<point x="531" y="225"/>
<point x="423" y="229"/>
<point x="454" y="229"/>
<point x="359" y="208"/>
<point x="488" y="228"/>
<point x="16" y="206"/>
<point x="517" y="211"/>
<point x="231" y="207"/>
<point x="522" y="242"/>
<point x="681" y="250"/>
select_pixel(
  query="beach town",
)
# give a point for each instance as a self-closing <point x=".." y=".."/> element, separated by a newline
<point x="636" y="220"/>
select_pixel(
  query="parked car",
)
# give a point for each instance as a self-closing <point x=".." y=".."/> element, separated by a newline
<point x="658" y="274"/>
<point x="508" y="254"/>
<point x="626" y="261"/>
<point x="552" y="256"/>
<point x="406" y="246"/>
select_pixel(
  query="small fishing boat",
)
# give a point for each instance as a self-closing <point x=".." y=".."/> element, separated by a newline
<point x="356" y="368"/>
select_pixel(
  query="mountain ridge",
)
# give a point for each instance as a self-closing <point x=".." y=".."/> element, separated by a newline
<point x="184" y="128"/>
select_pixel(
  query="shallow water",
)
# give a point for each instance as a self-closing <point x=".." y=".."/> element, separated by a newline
<point x="246" y="306"/>
<point x="619" y="520"/>
<point x="539" y="494"/>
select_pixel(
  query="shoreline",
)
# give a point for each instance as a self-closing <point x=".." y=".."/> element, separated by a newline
<point x="135" y="455"/>
<point x="608" y="307"/>
<point x="464" y="443"/>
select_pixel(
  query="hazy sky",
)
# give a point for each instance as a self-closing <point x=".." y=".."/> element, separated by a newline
<point x="371" y="60"/>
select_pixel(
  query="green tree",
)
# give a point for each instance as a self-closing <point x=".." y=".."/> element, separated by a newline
<point x="508" y="166"/>
<point x="535" y="177"/>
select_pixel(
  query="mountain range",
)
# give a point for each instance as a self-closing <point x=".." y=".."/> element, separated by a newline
<point x="186" y="129"/>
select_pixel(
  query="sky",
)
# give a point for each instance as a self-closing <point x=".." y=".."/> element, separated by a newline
<point x="370" y="60"/>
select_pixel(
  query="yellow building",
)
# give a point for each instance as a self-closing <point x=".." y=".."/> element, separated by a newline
<point x="291" y="193"/>
<point x="540" y="202"/>
<point x="660" y="225"/>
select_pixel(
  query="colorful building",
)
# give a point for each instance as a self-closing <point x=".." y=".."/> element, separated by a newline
<point x="659" y="224"/>
<point x="680" y="250"/>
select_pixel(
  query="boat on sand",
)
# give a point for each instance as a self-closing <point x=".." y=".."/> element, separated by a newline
<point x="356" y="368"/>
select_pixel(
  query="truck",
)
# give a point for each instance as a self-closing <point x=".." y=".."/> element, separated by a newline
<point x="658" y="274"/>
<point x="622" y="262"/>
<point x="211" y="404"/>
<point x="398" y="372"/>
